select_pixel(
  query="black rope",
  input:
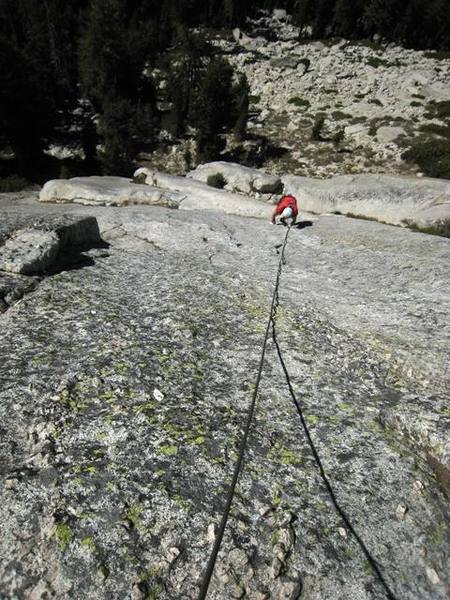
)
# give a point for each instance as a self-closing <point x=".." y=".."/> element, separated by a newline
<point x="339" y="509"/>
<point x="238" y="466"/>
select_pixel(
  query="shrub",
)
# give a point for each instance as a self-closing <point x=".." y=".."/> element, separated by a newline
<point x="438" y="55"/>
<point x="432" y="156"/>
<point x="438" y="110"/>
<point x="415" y="103"/>
<point x="441" y="227"/>
<point x="316" y="133"/>
<point x="339" y="136"/>
<point x="375" y="62"/>
<point x="140" y="178"/>
<point x="301" y="102"/>
<point x="216" y="180"/>
<point x="338" y="115"/>
<point x="13" y="183"/>
<point x="442" y="130"/>
<point x="375" y="101"/>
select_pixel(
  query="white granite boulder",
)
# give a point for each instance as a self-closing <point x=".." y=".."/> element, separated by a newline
<point x="106" y="191"/>
<point x="198" y="195"/>
<point x="386" y="135"/>
<point x="238" y="178"/>
<point x="392" y="199"/>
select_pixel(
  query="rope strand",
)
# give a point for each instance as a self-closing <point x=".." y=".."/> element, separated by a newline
<point x="373" y="563"/>
<point x="238" y="466"/>
<point x="271" y="326"/>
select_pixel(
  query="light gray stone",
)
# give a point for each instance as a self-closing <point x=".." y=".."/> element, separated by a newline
<point x="392" y="199"/>
<point x="386" y="135"/>
<point x="107" y="191"/>
<point x="100" y="479"/>
<point x="238" y="178"/>
<point x="195" y="194"/>
<point x="29" y="251"/>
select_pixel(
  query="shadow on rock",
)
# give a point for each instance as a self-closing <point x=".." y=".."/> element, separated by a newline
<point x="78" y="257"/>
<point x="303" y="224"/>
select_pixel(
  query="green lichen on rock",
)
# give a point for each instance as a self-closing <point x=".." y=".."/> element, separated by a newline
<point x="64" y="535"/>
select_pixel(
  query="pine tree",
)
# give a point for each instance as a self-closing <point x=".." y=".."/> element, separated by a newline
<point x="103" y="61"/>
<point x="213" y="107"/>
<point x="346" y="15"/>
<point x="24" y="124"/>
<point x="185" y="66"/>
<point x="124" y="127"/>
<point x="111" y="64"/>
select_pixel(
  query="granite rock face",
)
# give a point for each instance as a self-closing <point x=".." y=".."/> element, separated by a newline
<point x="159" y="189"/>
<point x="239" y="178"/>
<point x="29" y="251"/>
<point x="106" y="191"/>
<point x="124" y="387"/>
<point x="34" y="244"/>
<point x="396" y="200"/>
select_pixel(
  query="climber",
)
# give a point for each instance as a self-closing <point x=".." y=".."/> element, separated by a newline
<point x="286" y="208"/>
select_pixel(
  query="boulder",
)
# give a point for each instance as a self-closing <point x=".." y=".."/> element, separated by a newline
<point x="29" y="251"/>
<point x="357" y="129"/>
<point x="279" y="14"/>
<point x="198" y="195"/>
<point x="285" y="62"/>
<point x="237" y="34"/>
<point x="392" y="199"/>
<point x="106" y="191"/>
<point x="239" y="178"/>
<point x="386" y="135"/>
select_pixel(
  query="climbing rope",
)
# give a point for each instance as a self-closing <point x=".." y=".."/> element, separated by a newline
<point x="331" y="493"/>
<point x="271" y="326"/>
<point x="238" y="466"/>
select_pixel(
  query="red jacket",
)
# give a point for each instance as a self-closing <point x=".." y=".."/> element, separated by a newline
<point x="286" y="201"/>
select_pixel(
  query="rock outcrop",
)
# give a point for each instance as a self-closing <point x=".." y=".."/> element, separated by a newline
<point x="36" y="244"/>
<point x="396" y="200"/>
<point x="377" y="95"/>
<point x="238" y="178"/>
<point x="106" y="191"/>
<point x="159" y="189"/>
<point x="29" y="251"/>
<point x="125" y="385"/>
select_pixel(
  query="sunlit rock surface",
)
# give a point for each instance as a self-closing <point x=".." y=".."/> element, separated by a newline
<point x="124" y="385"/>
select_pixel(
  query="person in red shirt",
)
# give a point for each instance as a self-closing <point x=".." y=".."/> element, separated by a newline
<point x="286" y="209"/>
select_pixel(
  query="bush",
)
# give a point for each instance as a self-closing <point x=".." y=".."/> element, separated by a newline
<point x="438" y="110"/>
<point x="375" y="62"/>
<point x="439" y="55"/>
<point x="441" y="227"/>
<point x="217" y="180"/>
<point x="442" y="130"/>
<point x="301" y="102"/>
<point x="432" y="156"/>
<point x="12" y="183"/>
<point x="339" y="136"/>
<point x="338" y="115"/>
<point x="140" y="178"/>
<point x="316" y="133"/>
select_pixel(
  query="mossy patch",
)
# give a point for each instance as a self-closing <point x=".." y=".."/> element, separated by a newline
<point x="64" y="535"/>
<point x="168" y="450"/>
<point x="88" y="542"/>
